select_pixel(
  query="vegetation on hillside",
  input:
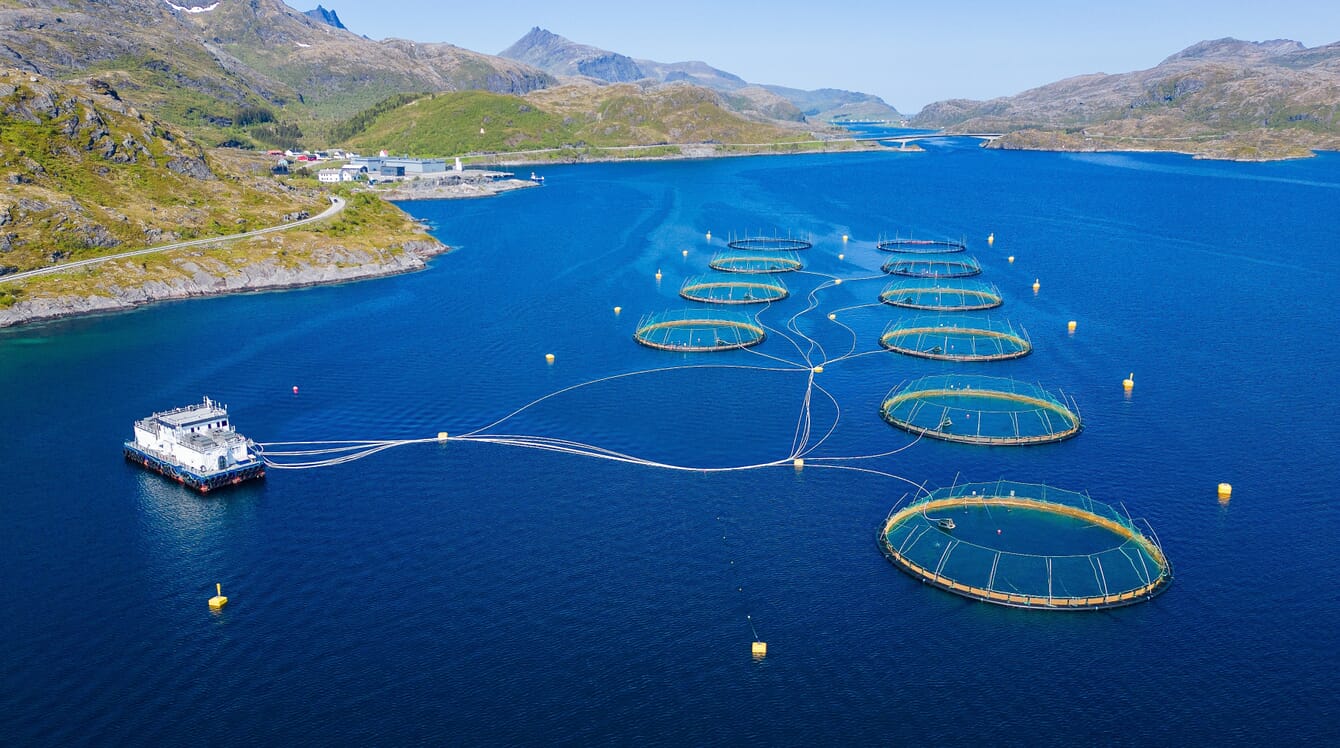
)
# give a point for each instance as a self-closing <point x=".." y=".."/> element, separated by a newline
<point x="1221" y="99"/>
<point x="569" y="117"/>
<point x="86" y="176"/>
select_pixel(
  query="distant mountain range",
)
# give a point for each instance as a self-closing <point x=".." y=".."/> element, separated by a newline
<point x="258" y="73"/>
<point x="198" y="64"/>
<point x="562" y="57"/>
<point x="1224" y="98"/>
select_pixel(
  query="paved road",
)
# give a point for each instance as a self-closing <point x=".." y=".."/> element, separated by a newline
<point x="336" y="205"/>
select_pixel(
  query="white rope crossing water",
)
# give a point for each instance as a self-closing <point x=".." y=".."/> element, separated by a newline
<point x="291" y="455"/>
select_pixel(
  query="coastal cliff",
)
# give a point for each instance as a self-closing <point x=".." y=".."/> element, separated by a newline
<point x="120" y="285"/>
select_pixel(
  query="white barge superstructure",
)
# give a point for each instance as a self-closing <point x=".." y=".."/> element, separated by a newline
<point x="196" y="446"/>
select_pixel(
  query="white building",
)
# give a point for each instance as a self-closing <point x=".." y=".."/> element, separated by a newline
<point x="197" y="437"/>
<point x="329" y="176"/>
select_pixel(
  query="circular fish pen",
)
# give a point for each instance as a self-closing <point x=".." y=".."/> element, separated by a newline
<point x="769" y="243"/>
<point x="973" y="409"/>
<point x="956" y="337"/>
<point x="941" y="296"/>
<point x="1026" y="546"/>
<point x="933" y="267"/>
<point x="753" y="262"/>
<point x="921" y="246"/>
<point x="733" y="289"/>
<point x="697" y="330"/>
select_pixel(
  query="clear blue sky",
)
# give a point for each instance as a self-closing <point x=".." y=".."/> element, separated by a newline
<point x="910" y="54"/>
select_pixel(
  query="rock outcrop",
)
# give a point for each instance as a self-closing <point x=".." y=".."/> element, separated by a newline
<point x="196" y="274"/>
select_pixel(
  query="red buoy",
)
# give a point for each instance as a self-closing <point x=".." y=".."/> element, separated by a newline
<point x="295" y="389"/>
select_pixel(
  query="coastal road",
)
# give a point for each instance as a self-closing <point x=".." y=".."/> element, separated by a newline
<point x="336" y="205"/>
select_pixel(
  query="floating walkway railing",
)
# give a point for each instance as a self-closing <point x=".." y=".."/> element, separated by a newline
<point x="1026" y="546"/>
<point x="933" y="266"/>
<point x="755" y="262"/>
<point x="698" y="330"/>
<point x="921" y="246"/>
<point x="956" y="337"/>
<point x="973" y="409"/>
<point x="770" y="243"/>
<point x="941" y="295"/>
<point x="733" y="288"/>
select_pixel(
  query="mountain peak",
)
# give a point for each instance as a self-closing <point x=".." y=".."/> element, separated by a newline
<point x="328" y="17"/>
<point x="554" y="54"/>
<point x="1229" y="48"/>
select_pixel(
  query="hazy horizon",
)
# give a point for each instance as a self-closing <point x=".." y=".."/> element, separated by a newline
<point x="909" y="55"/>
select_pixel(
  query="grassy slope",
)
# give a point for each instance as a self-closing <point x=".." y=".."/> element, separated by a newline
<point x="88" y="197"/>
<point x="63" y="197"/>
<point x="570" y="117"/>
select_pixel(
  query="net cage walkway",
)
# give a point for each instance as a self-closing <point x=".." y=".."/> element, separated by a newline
<point x="733" y="288"/>
<point x="755" y="262"/>
<point x="696" y="330"/>
<point x="956" y="337"/>
<point x="770" y="243"/>
<point x="975" y="409"/>
<point x="1026" y="546"/>
<point x="921" y="246"/>
<point x="942" y="296"/>
<point x="931" y="266"/>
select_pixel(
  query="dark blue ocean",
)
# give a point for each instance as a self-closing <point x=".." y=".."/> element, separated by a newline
<point x="475" y="593"/>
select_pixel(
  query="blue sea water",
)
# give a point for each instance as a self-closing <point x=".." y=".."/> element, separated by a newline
<point x="474" y="593"/>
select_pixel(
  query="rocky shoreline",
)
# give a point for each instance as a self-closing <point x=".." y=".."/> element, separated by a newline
<point x="200" y="275"/>
<point x="453" y="186"/>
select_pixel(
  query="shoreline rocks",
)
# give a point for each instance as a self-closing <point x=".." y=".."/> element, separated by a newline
<point x="208" y="276"/>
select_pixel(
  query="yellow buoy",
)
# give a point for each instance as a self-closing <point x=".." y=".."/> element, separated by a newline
<point x="837" y="281"/>
<point x="685" y="253"/>
<point x="1071" y="325"/>
<point x="798" y="463"/>
<point x="1036" y="285"/>
<point x="844" y="237"/>
<point x="841" y="256"/>
<point x="759" y="650"/>
<point x="218" y="601"/>
<point x="819" y="369"/>
<point x="832" y="316"/>
<point x="709" y="236"/>
<point x="618" y="309"/>
<point x="441" y="436"/>
<point x="991" y="239"/>
<point x="658" y="273"/>
<point x="1225" y="491"/>
<point x="549" y="358"/>
<point x="1011" y="259"/>
<point x="1129" y="382"/>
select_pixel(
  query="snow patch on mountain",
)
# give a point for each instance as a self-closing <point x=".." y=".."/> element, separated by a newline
<point x="192" y="9"/>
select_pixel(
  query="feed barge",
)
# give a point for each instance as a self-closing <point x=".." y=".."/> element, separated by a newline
<point x="196" y="446"/>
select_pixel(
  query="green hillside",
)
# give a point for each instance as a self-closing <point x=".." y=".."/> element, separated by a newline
<point x="86" y="175"/>
<point x="571" y="117"/>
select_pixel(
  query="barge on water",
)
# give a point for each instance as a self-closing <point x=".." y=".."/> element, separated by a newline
<point x="196" y="446"/>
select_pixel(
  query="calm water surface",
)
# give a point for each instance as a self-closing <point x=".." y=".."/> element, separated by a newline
<point x="476" y="593"/>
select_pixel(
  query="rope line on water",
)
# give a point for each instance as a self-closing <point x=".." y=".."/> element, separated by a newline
<point x="289" y="455"/>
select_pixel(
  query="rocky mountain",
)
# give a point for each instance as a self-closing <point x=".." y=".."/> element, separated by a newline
<point x="200" y="66"/>
<point x="562" y="57"/>
<point x="87" y="174"/>
<point x="1224" y="98"/>
<point x="328" y="17"/>
<point x="554" y="54"/>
